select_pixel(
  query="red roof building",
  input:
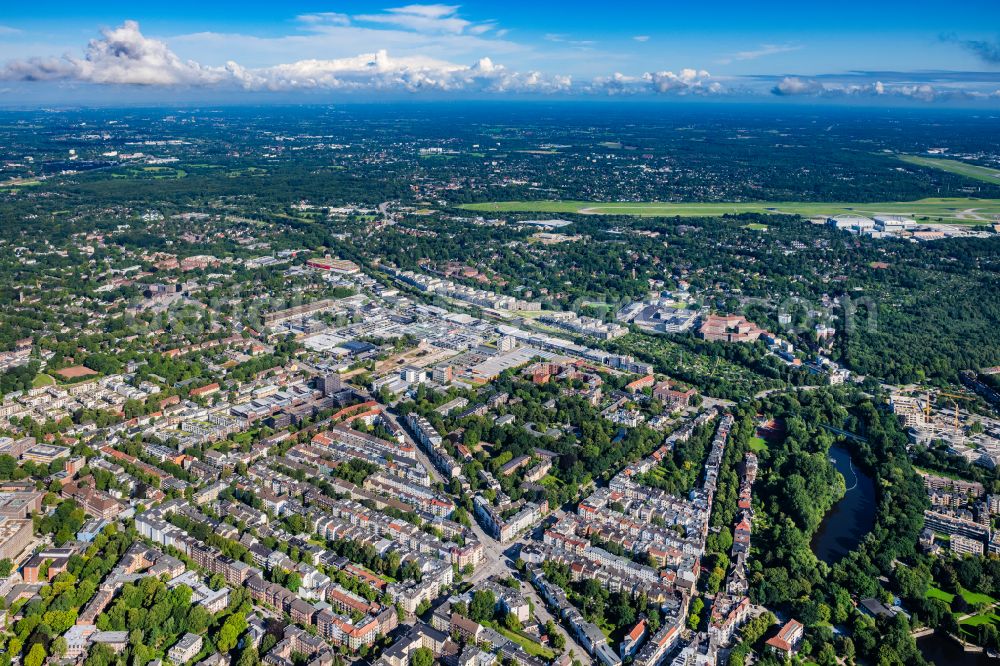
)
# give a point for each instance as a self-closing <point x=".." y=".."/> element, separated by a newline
<point x="729" y="328"/>
<point x="787" y="640"/>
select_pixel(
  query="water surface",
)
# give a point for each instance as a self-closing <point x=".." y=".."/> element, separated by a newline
<point x="852" y="517"/>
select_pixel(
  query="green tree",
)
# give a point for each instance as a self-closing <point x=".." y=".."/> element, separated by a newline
<point x="59" y="646"/>
<point x="422" y="657"/>
<point x="249" y="657"/>
<point x="100" y="655"/>
<point x="36" y="656"/>
<point x="482" y="606"/>
<point x="511" y="622"/>
<point x="230" y="633"/>
<point x="694" y="616"/>
<point x="198" y="619"/>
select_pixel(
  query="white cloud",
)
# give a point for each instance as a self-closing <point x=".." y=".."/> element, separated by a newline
<point x="7" y="30"/>
<point x="923" y="92"/>
<point x="428" y="11"/>
<point x="125" y="56"/>
<point x="565" y="39"/>
<point x="641" y="38"/>
<point x="432" y="19"/>
<point x="685" y="82"/>
<point x="380" y="71"/>
<point x="761" y="52"/>
<point x="616" y="84"/>
<point x="483" y="28"/>
<point x="324" y="18"/>
<point x="794" y="85"/>
<point x="414" y="63"/>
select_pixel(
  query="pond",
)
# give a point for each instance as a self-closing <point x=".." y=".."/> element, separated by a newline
<point x="943" y="651"/>
<point x="852" y="517"/>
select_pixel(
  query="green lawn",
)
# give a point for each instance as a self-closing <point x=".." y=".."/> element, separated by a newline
<point x="950" y="210"/>
<point x="985" y="174"/>
<point x="938" y="593"/>
<point x="43" y="380"/>
<point x="972" y="598"/>
<point x="984" y="618"/>
<point x="20" y="182"/>
<point x="970" y="626"/>
<point x="550" y="481"/>
<point x="947" y="475"/>
<point x="977" y="597"/>
<point x="757" y="444"/>
<point x="530" y="646"/>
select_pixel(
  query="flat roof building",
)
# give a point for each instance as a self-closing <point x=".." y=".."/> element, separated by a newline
<point x="15" y="535"/>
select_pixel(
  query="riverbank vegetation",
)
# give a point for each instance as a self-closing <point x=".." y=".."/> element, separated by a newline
<point x="798" y="485"/>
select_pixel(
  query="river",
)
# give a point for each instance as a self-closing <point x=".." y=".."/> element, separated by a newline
<point x="852" y="517"/>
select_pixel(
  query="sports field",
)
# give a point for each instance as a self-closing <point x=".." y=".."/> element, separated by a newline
<point x="945" y="210"/>
<point x="985" y="174"/>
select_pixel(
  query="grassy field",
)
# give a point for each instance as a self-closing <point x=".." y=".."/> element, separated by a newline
<point x="948" y="210"/>
<point x="757" y="444"/>
<point x="977" y="597"/>
<point x="947" y="475"/>
<point x="972" y="598"/>
<point x="938" y="593"/>
<point x="529" y="645"/>
<point x="985" y="618"/>
<point x="150" y="173"/>
<point x="20" y="182"/>
<point x="985" y="174"/>
<point x="550" y="481"/>
<point x="43" y="380"/>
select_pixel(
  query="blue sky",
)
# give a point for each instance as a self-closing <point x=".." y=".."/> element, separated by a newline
<point x="873" y="52"/>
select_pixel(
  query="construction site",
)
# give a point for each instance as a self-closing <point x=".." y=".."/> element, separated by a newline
<point x="937" y="417"/>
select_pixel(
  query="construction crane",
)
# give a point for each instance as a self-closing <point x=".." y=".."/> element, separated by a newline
<point x="953" y="399"/>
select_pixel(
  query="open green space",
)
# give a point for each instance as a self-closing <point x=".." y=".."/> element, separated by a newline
<point x="935" y="472"/>
<point x="20" y="182"/>
<point x="42" y="380"/>
<point x="150" y="173"/>
<point x="757" y="444"/>
<point x="947" y="210"/>
<point x="982" y="618"/>
<point x="938" y="593"/>
<point x="971" y="598"/>
<point x="530" y="646"/>
<point x="974" y="598"/>
<point x="985" y="174"/>
<point x="970" y="626"/>
<point x="550" y="481"/>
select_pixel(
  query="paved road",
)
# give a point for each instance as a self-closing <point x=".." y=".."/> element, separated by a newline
<point x="496" y="562"/>
<point x="712" y="403"/>
<point x="544" y="616"/>
<point x="783" y="389"/>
